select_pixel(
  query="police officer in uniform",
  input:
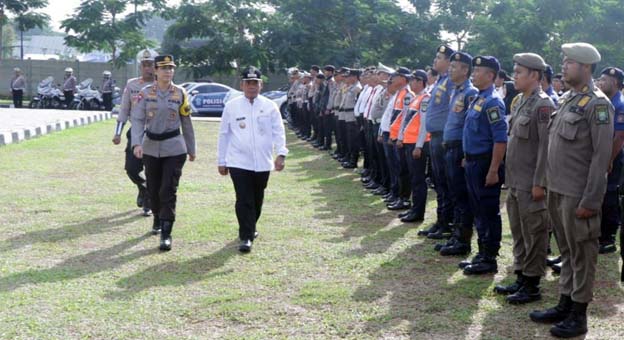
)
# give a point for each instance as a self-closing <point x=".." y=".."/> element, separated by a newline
<point x="351" y="128"/>
<point x="437" y="113"/>
<point x="18" y="85"/>
<point x="107" y="90"/>
<point x="579" y="152"/>
<point x="251" y="130"/>
<point x="525" y="176"/>
<point x="610" y="82"/>
<point x="462" y="95"/>
<point x="129" y="99"/>
<point x="69" y="86"/>
<point x="162" y="110"/>
<point x="325" y="108"/>
<point x="484" y="143"/>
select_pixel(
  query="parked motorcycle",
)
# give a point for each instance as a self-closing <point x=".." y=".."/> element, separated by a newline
<point x="49" y="96"/>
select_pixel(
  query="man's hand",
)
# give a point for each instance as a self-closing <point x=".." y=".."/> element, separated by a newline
<point x="116" y="139"/>
<point x="191" y="157"/>
<point x="279" y="163"/>
<point x="399" y="144"/>
<point x="491" y="178"/>
<point x="538" y="194"/>
<point x="584" y="213"/>
<point x="138" y="151"/>
<point x="417" y="153"/>
<point x="379" y="139"/>
<point x="223" y="171"/>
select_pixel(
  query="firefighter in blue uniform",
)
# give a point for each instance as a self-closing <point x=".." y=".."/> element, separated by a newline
<point x="484" y="143"/>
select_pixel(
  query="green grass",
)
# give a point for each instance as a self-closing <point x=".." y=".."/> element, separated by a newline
<point x="77" y="261"/>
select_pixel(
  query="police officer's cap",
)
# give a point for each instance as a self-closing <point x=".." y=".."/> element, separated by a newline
<point x="381" y="68"/>
<point x="462" y="57"/>
<point x="403" y="72"/>
<point x="583" y="53"/>
<point x="530" y="60"/>
<point x="251" y="73"/>
<point x="146" y="55"/>
<point x="615" y="73"/>
<point x="17" y="69"/>
<point x="69" y="70"/>
<point x="330" y="68"/>
<point x="315" y="68"/>
<point x="419" y="75"/>
<point x="164" y="60"/>
<point x="320" y="76"/>
<point x="342" y="70"/>
<point x="444" y="49"/>
<point x="353" y="72"/>
<point x="486" y="61"/>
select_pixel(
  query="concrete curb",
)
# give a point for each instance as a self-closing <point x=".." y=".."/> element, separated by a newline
<point x="36" y="131"/>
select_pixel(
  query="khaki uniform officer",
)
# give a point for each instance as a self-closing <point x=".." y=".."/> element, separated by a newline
<point x="161" y="111"/>
<point x="579" y="151"/>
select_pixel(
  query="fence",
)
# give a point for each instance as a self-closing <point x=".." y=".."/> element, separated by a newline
<point x="37" y="70"/>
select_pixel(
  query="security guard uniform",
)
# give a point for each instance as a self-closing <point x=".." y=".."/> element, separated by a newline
<point x="485" y="125"/>
<point x="160" y="115"/>
<point x="18" y="85"/>
<point x="69" y="86"/>
<point x="351" y="127"/>
<point x="107" y="91"/>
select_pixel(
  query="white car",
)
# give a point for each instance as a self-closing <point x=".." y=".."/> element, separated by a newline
<point x="280" y="97"/>
<point x="210" y="98"/>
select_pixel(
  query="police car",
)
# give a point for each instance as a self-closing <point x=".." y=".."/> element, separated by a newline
<point x="280" y="97"/>
<point x="209" y="98"/>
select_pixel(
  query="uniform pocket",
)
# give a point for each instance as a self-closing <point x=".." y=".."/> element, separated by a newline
<point x="522" y="129"/>
<point x="570" y="126"/>
<point x="264" y="124"/>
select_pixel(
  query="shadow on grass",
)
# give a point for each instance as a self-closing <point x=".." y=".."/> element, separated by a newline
<point x="176" y="273"/>
<point x="71" y="231"/>
<point x="79" y="266"/>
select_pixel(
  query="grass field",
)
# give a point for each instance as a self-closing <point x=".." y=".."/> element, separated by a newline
<point x="77" y="261"/>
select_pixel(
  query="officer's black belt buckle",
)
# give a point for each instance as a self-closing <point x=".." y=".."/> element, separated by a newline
<point x="477" y="157"/>
<point x="162" y="136"/>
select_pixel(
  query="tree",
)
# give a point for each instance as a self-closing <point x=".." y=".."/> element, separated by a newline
<point x="19" y="8"/>
<point x="99" y="25"/>
<point x="29" y="20"/>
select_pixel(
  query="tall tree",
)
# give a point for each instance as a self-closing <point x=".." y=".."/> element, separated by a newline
<point x="100" y="25"/>
<point x="29" y="20"/>
<point x="18" y="8"/>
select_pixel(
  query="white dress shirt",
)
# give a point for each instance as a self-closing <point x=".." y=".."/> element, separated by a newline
<point x="360" y="105"/>
<point x="386" y="119"/>
<point x="250" y="133"/>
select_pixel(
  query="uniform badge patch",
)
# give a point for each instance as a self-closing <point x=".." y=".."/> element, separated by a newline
<point x="602" y="114"/>
<point x="620" y="117"/>
<point x="424" y="105"/>
<point x="543" y="113"/>
<point x="151" y="114"/>
<point x="242" y="125"/>
<point x="493" y="115"/>
<point x="581" y="103"/>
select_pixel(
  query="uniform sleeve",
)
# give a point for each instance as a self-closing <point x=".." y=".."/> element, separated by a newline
<point x="138" y="120"/>
<point x="601" y="129"/>
<point x="126" y="104"/>
<point x="618" y="120"/>
<point x="545" y="108"/>
<point x="495" y="112"/>
<point x="422" y="131"/>
<point x="187" y="124"/>
<point x="224" y="135"/>
<point x="277" y="131"/>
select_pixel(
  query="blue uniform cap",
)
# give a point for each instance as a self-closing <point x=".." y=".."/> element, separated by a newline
<point x="403" y="72"/>
<point x="615" y="73"/>
<point x="447" y="51"/>
<point x="548" y="71"/>
<point x="486" y="61"/>
<point x="462" y="57"/>
<point x="420" y="75"/>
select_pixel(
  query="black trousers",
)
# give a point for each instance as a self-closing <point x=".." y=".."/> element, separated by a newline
<point x="163" y="176"/>
<point x="352" y="141"/>
<point x="18" y="96"/>
<point x="107" y="98"/>
<point x="249" y="187"/>
<point x="329" y="126"/>
<point x="382" y="162"/>
<point x="69" y="97"/>
<point x="341" y="137"/>
<point x="134" y="167"/>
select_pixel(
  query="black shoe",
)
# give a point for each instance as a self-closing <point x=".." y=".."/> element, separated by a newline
<point x="486" y="266"/>
<point x="553" y="261"/>
<point x="574" y="325"/>
<point x="245" y="246"/>
<point x="556" y="268"/>
<point x="512" y="288"/>
<point x="390" y="200"/>
<point x="443" y="232"/>
<point x="165" y="236"/>
<point x="529" y="292"/>
<point x="323" y="148"/>
<point x="365" y="173"/>
<point x="156" y="226"/>
<point x="556" y="314"/>
<point x="147" y="212"/>
<point x="399" y="205"/>
<point x="349" y="165"/>
<point x="381" y="191"/>
<point x="403" y="214"/>
<point x="432" y="229"/>
<point x="139" y="199"/>
<point x="606" y="248"/>
<point x="412" y="217"/>
<point x="387" y="195"/>
<point x="371" y="185"/>
<point x="476" y="259"/>
<point x="456" y="249"/>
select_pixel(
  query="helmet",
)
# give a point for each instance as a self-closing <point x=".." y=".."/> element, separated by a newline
<point x="17" y="69"/>
<point x="146" y="55"/>
<point x="69" y="70"/>
<point x="106" y="73"/>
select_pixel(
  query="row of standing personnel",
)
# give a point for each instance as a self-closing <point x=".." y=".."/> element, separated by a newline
<point x="560" y="158"/>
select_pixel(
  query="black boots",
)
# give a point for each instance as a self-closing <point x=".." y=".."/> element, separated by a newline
<point x="574" y="325"/>
<point x="487" y="264"/>
<point x="156" y="226"/>
<point x="476" y="259"/>
<point x="165" y="235"/>
<point x="528" y="292"/>
<point x="512" y="288"/>
<point x="556" y="314"/>
<point x="461" y="246"/>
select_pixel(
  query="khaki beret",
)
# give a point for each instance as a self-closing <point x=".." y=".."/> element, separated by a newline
<point x="530" y="60"/>
<point x="583" y="53"/>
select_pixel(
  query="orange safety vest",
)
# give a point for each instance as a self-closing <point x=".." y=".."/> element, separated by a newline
<point x="397" y="113"/>
<point x="412" y="130"/>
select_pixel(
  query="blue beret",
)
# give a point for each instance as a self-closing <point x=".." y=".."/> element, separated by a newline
<point x="445" y="50"/>
<point x="548" y="71"/>
<point x="615" y="73"/>
<point x="420" y="75"/>
<point x="403" y="71"/>
<point x="486" y="61"/>
<point x="462" y="57"/>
